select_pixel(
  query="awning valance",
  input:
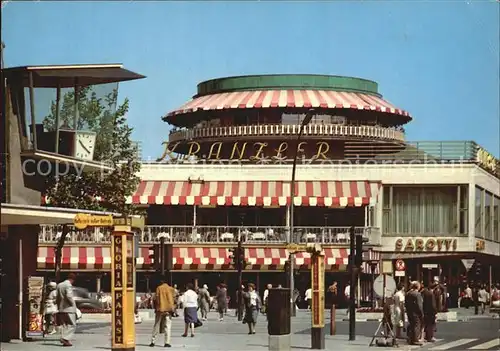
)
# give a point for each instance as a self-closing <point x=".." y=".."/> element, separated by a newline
<point x="289" y="99"/>
<point x="256" y="193"/>
<point x="93" y="258"/>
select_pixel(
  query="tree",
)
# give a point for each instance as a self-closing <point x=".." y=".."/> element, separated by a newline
<point x="102" y="191"/>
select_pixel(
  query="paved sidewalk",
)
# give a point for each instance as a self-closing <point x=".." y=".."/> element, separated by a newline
<point x="212" y="342"/>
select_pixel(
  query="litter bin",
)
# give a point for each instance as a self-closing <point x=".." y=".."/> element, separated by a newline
<point x="278" y="311"/>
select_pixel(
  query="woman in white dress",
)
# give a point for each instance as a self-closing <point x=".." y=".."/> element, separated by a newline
<point x="399" y="304"/>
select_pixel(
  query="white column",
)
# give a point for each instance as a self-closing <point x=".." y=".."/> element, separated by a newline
<point x="287" y="222"/>
<point x="98" y="283"/>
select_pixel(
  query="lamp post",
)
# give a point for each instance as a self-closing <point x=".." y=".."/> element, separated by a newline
<point x="305" y="122"/>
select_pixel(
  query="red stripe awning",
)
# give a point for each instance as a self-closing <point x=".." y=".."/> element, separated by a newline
<point x="192" y="258"/>
<point x="256" y="193"/>
<point x="93" y="258"/>
<point x="290" y="99"/>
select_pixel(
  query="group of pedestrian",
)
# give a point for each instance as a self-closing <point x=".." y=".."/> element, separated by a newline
<point x="421" y="305"/>
<point x="60" y="310"/>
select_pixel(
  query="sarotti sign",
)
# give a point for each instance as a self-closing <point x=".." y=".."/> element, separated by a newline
<point x="426" y="244"/>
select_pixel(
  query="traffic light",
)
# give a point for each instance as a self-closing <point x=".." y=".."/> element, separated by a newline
<point x="154" y="256"/>
<point x="358" y="259"/>
<point x="233" y="256"/>
<point x="168" y="256"/>
<point x="241" y="255"/>
<point x="478" y="268"/>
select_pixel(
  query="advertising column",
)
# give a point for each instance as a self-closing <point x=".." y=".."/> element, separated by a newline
<point x="123" y="286"/>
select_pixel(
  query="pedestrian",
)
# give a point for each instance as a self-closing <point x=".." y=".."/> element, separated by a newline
<point x="467" y="297"/>
<point x="483" y="298"/>
<point x="221" y="298"/>
<point x="347" y="296"/>
<point x="266" y="296"/>
<point x="399" y="310"/>
<point x="190" y="310"/>
<point x="252" y="306"/>
<point x="414" y="311"/>
<point x="164" y="305"/>
<point x="430" y="307"/>
<point x="307" y="297"/>
<point x="50" y="308"/>
<point x="67" y="310"/>
<point x="176" y="300"/>
<point x="495" y="296"/>
<point x="204" y="301"/>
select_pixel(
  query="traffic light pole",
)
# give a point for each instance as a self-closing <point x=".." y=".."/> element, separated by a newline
<point x="352" y="295"/>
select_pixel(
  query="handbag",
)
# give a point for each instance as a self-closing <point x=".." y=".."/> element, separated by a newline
<point x="198" y="324"/>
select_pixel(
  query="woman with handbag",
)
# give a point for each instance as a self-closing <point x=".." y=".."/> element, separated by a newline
<point x="252" y="308"/>
<point x="190" y="310"/>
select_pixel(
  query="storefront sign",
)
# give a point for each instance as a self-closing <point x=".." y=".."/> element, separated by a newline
<point x="318" y="290"/>
<point x="239" y="151"/>
<point x="118" y="317"/>
<point x="35" y="297"/>
<point x="118" y="261"/>
<point x="487" y="160"/>
<point x="83" y="220"/>
<point x="480" y="245"/>
<point x="426" y="244"/>
<point x="130" y="261"/>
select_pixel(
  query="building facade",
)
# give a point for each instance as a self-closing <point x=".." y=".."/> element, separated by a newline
<point x="225" y="173"/>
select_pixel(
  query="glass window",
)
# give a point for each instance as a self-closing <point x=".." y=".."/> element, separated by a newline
<point x="487" y="215"/>
<point x="464" y="213"/>
<point x="386" y="210"/>
<point x="423" y="210"/>
<point x="479" y="203"/>
<point x="496" y="219"/>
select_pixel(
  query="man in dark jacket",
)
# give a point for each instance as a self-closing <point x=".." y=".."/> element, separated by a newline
<point x="414" y="310"/>
<point x="430" y="296"/>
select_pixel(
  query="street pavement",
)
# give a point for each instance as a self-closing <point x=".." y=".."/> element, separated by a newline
<point x="474" y="334"/>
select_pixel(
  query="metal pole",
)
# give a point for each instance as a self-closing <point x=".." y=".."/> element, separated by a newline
<point x="162" y="257"/>
<point x="352" y="296"/>
<point x="240" y="281"/>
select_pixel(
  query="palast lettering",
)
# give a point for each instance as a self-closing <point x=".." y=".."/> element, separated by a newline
<point x="426" y="244"/>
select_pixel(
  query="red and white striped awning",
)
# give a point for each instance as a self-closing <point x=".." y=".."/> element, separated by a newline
<point x="93" y="258"/>
<point x="256" y="193"/>
<point x="290" y="99"/>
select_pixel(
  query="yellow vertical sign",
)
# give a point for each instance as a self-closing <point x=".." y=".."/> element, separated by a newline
<point x="318" y="290"/>
<point x="123" y="289"/>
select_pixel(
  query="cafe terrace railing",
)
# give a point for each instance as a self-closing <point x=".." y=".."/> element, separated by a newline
<point x="267" y="130"/>
<point x="214" y="234"/>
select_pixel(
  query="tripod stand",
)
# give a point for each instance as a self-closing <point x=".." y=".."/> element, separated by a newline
<point x="385" y="328"/>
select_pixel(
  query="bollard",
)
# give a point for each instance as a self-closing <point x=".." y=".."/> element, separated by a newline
<point x="333" y="325"/>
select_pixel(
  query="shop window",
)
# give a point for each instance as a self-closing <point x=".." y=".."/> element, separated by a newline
<point x="386" y="210"/>
<point x="479" y="212"/>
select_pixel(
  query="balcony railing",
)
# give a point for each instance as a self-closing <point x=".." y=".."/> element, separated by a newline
<point x="215" y="234"/>
<point x="318" y="130"/>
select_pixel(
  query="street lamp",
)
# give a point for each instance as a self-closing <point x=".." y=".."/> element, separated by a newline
<point x="305" y="122"/>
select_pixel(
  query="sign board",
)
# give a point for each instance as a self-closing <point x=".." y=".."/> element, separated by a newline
<point x="35" y="297"/>
<point x="400" y="265"/>
<point x="318" y="290"/>
<point x="430" y="266"/>
<point x="468" y="263"/>
<point x="384" y="285"/>
<point x="386" y="267"/>
<point x="426" y="244"/>
<point x="399" y="273"/>
<point x="293" y="248"/>
<point x="84" y="220"/>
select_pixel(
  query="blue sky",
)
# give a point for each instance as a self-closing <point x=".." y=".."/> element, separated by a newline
<point x="439" y="59"/>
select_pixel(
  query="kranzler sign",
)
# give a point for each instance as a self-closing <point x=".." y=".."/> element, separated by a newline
<point x="239" y="151"/>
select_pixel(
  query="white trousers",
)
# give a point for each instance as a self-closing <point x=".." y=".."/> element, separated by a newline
<point x="163" y="324"/>
<point x="68" y="325"/>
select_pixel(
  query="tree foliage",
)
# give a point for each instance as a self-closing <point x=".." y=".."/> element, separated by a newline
<point x="105" y="191"/>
